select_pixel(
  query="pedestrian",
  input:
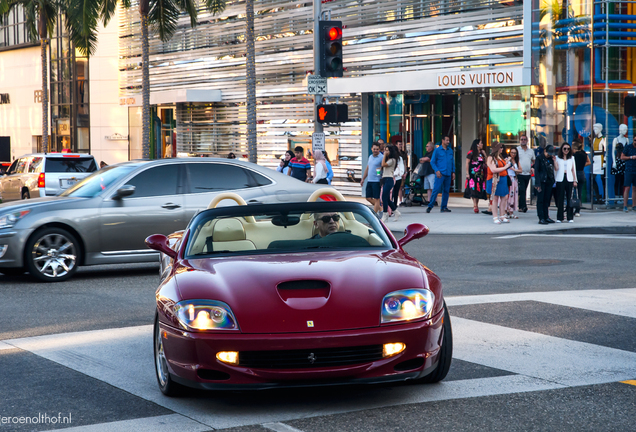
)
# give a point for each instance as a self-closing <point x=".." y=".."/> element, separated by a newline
<point x="231" y="156"/>
<point x="513" y="193"/>
<point x="629" y="156"/>
<point x="329" y="169"/>
<point x="475" y="187"/>
<point x="300" y="168"/>
<point x="381" y="144"/>
<point x="427" y="172"/>
<point x="618" y="169"/>
<point x="389" y="163"/>
<point x="400" y="172"/>
<point x="565" y="176"/>
<point x="526" y="160"/>
<point x="443" y="163"/>
<point x="320" y="168"/>
<point x="374" y="172"/>
<point x="581" y="160"/>
<point x="283" y="166"/>
<point x="497" y="183"/>
<point x="102" y="164"/>
<point x="543" y="181"/>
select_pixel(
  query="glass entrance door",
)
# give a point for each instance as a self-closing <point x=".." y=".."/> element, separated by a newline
<point x="168" y="132"/>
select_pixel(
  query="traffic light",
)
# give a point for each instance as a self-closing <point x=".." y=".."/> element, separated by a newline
<point x="332" y="113"/>
<point x="330" y="49"/>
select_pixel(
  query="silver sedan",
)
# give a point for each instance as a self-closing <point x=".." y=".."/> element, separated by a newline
<point x="105" y="218"/>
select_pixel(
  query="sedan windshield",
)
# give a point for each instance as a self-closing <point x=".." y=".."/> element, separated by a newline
<point x="97" y="182"/>
<point x="320" y="226"/>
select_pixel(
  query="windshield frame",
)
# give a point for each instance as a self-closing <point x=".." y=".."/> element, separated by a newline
<point x="256" y="210"/>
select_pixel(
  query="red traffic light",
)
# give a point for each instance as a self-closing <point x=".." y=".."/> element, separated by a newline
<point x="334" y="33"/>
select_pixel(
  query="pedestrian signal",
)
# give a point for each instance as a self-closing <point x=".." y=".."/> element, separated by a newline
<point x="332" y="113"/>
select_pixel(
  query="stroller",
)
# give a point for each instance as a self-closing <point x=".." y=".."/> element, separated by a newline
<point x="414" y="191"/>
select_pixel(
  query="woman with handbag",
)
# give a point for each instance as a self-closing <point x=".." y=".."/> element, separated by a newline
<point x="497" y="182"/>
<point x="565" y="177"/>
<point x="475" y="187"/>
<point x="513" y="195"/>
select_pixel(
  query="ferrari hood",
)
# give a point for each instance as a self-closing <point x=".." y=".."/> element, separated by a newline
<point x="302" y="292"/>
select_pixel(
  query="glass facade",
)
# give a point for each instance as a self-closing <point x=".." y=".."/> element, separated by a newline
<point x="13" y="32"/>
<point x="70" y="104"/>
<point x="584" y="64"/>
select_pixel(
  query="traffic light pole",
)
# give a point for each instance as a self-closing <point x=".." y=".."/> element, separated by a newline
<point x="318" y="97"/>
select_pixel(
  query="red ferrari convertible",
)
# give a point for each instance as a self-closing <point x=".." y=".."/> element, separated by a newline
<point x="300" y="294"/>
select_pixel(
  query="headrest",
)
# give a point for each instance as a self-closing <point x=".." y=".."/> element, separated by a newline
<point x="228" y="230"/>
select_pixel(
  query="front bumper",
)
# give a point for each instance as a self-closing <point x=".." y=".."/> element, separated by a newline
<point x="191" y="355"/>
<point x="13" y="242"/>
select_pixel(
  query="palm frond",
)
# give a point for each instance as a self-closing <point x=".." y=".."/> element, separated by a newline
<point x="190" y="7"/>
<point x="81" y="23"/>
<point x="162" y="18"/>
<point x="215" y="6"/>
<point x="108" y="8"/>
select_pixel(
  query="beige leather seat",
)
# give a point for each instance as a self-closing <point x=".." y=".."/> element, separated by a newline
<point x="229" y="235"/>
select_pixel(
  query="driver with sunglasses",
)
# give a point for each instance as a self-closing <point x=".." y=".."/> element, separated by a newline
<point x="326" y="223"/>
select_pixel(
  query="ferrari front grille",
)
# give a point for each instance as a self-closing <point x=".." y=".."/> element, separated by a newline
<point x="310" y="358"/>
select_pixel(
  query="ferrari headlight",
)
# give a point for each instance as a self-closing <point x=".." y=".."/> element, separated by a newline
<point x="404" y="305"/>
<point x="10" y="219"/>
<point x="205" y="315"/>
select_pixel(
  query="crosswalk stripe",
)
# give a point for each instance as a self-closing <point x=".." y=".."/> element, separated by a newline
<point x="280" y="427"/>
<point x="567" y="362"/>
<point x="615" y="301"/>
<point x="5" y="346"/>
<point x="123" y="358"/>
<point x="163" y="423"/>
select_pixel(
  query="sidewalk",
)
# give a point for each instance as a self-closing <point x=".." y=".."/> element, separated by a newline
<point x="462" y="220"/>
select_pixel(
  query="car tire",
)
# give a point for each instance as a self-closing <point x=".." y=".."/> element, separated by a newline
<point x="12" y="271"/>
<point x="52" y="255"/>
<point x="25" y="195"/>
<point x="445" y="353"/>
<point x="166" y="384"/>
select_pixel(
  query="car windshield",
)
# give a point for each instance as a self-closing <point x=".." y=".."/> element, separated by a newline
<point x="97" y="182"/>
<point x="285" y="228"/>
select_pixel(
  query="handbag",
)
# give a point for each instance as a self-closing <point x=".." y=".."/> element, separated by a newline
<point x="575" y="201"/>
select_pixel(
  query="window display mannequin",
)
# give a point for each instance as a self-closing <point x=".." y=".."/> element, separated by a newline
<point x="599" y="146"/>
<point x="618" y="166"/>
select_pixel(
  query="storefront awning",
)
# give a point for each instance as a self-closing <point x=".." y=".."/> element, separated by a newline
<point x="171" y="97"/>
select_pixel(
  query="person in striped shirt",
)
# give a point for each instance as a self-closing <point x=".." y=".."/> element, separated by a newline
<point x="300" y="166"/>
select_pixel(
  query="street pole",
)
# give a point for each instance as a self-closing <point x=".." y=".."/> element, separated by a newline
<point x="592" y="177"/>
<point x="317" y="97"/>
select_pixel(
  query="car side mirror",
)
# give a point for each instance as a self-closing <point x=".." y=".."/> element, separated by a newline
<point x="159" y="242"/>
<point x="412" y="232"/>
<point x="124" y="191"/>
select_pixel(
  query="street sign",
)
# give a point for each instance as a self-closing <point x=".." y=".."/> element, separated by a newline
<point x="318" y="141"/>
<point x="316" y="85"/>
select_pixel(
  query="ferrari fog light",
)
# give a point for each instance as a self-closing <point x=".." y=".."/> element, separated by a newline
<point x="230" y="357"/>
<point x="390" y="349"/>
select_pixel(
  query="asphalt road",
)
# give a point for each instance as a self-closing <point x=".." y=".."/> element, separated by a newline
<point x="544" y="337"/>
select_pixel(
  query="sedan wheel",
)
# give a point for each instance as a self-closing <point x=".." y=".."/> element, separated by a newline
<point x="166" y="384"/>
<point x="52" y="255"/>
<point x="445" y="353"/>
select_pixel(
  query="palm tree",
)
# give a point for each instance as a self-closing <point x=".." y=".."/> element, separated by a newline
<point x="161" y="16"/>
<point x="40" y="21"/>
<point x="250" y="81"/>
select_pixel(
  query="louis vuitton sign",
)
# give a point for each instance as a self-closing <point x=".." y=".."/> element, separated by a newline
<point x="479" y="79"/>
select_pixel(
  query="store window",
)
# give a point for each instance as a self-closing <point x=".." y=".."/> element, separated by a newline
<point x="70" y="104"/>
<point x="508" y="115"/>
<point x="388" y="111"/>
<point x="13" y="32"/>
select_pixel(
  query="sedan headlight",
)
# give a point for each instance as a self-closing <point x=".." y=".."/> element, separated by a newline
<point x="408" y="304"/>
<point x="10" y="219"/>
<point x="205" y="315"/>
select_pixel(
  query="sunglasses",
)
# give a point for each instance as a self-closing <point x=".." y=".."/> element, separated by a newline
<point x="326" y="219"/>
<point x="566" y="148"/>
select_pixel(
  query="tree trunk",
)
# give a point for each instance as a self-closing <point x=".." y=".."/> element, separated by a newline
<point x="145" y="80"/>
<point x="250" y="78"/>
<point x="45" y="96"/>
<point x="45" y="82"/>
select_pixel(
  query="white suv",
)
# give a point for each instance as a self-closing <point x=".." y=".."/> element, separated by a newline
<point x="44" y="174"/>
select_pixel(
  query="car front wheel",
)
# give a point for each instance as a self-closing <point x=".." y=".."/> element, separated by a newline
<point x="445" y="353"/>
<point x="52" y="255"/>
<point x="166" y="384"/>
